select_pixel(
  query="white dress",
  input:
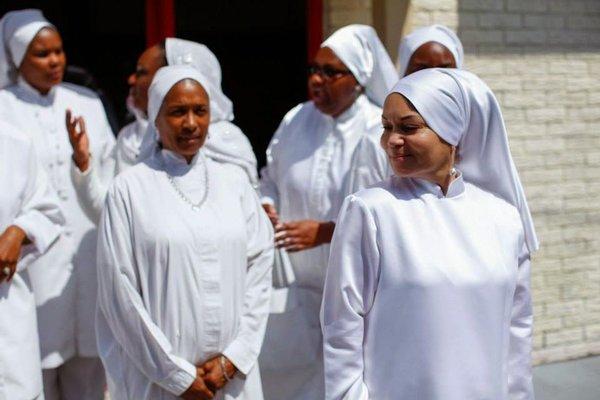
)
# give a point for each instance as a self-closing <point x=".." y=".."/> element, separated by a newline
<point x="179" y="286"/>
<point x="306" y="177"/>
<point x="63" y="279"/>
<point x="226" y="143"/>
<point x="427" y="296"/>
<point x="26" y="200"/>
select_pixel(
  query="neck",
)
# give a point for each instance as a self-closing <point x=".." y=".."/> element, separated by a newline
<point x="443" y="178"/>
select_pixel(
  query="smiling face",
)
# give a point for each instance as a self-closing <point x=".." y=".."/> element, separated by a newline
<point x="43" y="65"/>
<point x="430" y="55"/>
<point x="413" y="148"/>
<point x="183" y="118"/>
<point x="331" y="86"/>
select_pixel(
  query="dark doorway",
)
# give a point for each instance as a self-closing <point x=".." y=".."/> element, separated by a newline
<point x="262" y="47"/>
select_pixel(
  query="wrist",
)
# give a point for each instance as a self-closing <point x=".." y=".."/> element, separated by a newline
<point x="17" y="232"/>
<point x="325" y="232"/>
<point x="82" y="161"/>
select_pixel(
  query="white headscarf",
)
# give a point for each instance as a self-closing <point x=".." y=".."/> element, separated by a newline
<point x="360" y="49"/>
<point x="434" y="33"/>
<point x="17" y="30"/>
<point x="463" y="111"/>
<point x="184" y="52"/>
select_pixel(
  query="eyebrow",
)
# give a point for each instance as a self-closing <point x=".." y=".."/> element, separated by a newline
<point x="403" y="118"/>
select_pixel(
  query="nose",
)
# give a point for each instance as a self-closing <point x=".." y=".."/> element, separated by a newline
<point x="395" y="140"/>
<point x="131" y="79"/>
<point x="189" y="122"/>
<point x="54" y="59"/>
<point x="315" y="79"/>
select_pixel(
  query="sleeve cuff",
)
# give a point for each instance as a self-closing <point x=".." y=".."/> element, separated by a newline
<point x="41" y="233"/>
<point x="237" y="352"/>
<point x="178" y="382"/>
<point x="267" y="200"/>
<point x="81" y="174"/>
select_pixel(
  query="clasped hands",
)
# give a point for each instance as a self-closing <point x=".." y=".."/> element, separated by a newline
<point x="210" y="377"/>
<point x="301" y="234"/>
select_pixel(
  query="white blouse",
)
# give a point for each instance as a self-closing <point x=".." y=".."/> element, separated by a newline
<point x="178" y="286"/>
<point x="26" y="200"/>
<point x="63" y="279"/>
<point x="427" y="296"/>
<point x="225" y="143"/>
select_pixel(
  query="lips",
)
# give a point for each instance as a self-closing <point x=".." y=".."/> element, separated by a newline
<point x="189" y="139"/>
<point x="317" y="96"/>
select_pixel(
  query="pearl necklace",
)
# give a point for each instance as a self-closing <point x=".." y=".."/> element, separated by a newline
<point x="195" y="206"/>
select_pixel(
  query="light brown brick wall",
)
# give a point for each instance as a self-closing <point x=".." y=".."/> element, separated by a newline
<point x="542" y="58"/>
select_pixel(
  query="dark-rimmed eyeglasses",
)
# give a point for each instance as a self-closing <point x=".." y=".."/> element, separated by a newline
<point x="327" y="72"/>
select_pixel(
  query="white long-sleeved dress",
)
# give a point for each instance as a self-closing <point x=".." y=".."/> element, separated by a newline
<point x="309" y="160"/>
<point x="427" y="296"/>
<point x="64" y="278"/>
<point x="225" y="143"/>
<point x="178" y="286"/>
<point x="27" y="201"/>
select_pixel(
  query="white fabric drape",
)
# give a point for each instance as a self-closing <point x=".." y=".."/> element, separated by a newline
<point x="434" y="33"/>
<point x="27" y="201"/>
<point x="360" y="49"/>
<point x="185" y="52"/>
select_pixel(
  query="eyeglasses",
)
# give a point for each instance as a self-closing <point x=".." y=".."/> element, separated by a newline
<point x="327" y="72"/>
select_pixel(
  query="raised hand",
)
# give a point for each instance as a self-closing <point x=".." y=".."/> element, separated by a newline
<point x="79" y="140"/>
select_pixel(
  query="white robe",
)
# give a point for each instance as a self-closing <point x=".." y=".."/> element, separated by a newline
<point x="427" y="296"/>
<point x="63" y="279"/>
<point x="306" y="177"/>
<point x="225" y="143"/>
<point x="178" y="286"/>
<point x="369" y="164"/>
<point x="26" y="200"/>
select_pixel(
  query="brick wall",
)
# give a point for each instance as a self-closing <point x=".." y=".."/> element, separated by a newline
<point x="542" y="58"/>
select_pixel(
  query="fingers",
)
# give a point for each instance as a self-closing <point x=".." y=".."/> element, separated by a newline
<point x="81" y="123"/>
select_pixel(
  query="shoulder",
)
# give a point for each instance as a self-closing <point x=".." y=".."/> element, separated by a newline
<point x="377" y="194"/>
<point x="300" y="112"/>
<point x="504" y="213"/>
<point x="133" y="177"/>
<point x="229" y="132"/>
<point x="126" y="131"/>
<point x="76" y="90"/>
<point x="8" y="92"/>
<point x="226" y="173"/>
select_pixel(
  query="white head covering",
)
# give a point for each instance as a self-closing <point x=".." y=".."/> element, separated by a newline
<point x="184" y="52"/>
<point x="434" y="33"/>
<point x="360" y="49"/>
<point x="164" y="79"/>
<point x="463" y="111"/>
<point x="17" y="30"/>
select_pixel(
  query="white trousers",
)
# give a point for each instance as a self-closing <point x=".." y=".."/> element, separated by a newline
<point x="80" y="378"/>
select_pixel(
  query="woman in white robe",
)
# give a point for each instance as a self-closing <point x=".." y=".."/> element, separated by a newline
<point x="427" y="292"/>
<point x="30" y="222"/>
<point x="185" y="257"/>
<point x="303" y="187"/>
<point x="226" y="142"/>
<point x="35" y="100"/>
<point x="435" y="46"/>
